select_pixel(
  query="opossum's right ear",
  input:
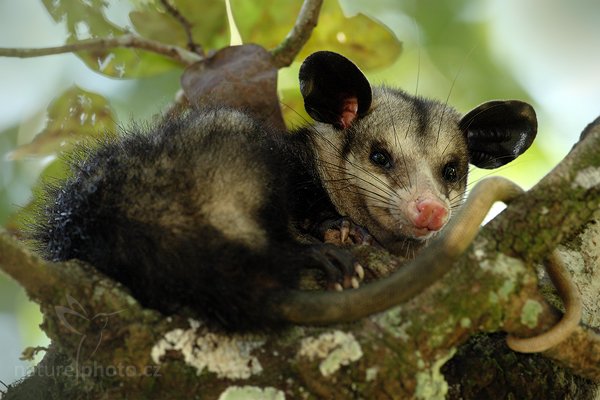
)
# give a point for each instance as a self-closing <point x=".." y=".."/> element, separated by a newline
<point x="335" y="91"/>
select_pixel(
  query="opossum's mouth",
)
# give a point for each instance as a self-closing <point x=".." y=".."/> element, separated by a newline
<point x="411" y="230"/>
<point x="401" y="231"/>
<point x="403" y="244"/>
<point x="412" y="233"/>
<point x="423" y="233"/>
<point x="416" y="233"/>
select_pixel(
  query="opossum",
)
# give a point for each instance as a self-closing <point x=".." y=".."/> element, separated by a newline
<point x="204" y="210"/>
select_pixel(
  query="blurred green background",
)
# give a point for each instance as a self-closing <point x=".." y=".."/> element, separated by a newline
<point x="546" y="52"/>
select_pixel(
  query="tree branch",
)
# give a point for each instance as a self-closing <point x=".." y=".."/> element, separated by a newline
<point x="487" y="290"/>
<point x="564" y="200"/>
<point x="533" y="226"/>
<point x="286" y="52"/>
<point x="176" y="53"/>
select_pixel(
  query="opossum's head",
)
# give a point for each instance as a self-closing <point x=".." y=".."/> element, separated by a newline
<point x="397" y="164"/>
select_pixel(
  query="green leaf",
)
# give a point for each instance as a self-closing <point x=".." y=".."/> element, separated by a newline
<point x="208" y="21"/>
<point x="82" y="18"/>
<point x="85" y="20"/>
<point x="155" y="25"/>
<point x="366" y="42"/>
<point x="127" y="63"/>
<point x="266" y="22"/>
<point x="74" y="116"/>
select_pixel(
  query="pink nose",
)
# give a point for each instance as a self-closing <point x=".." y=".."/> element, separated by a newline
<point x="431" y="215"/>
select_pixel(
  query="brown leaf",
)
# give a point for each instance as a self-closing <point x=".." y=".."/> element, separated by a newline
<point x="240" y="77"/>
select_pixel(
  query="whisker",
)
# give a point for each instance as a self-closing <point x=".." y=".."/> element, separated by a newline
<point x="305" y="122"/>
<point x="396" y="181"/>
<point x="450" y="92"/>
<point x="369" y="194"/>
<point x="388" y="189"/>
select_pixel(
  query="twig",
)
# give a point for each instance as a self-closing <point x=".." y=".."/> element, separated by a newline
<point x="187" y="27"/>
<point x="176" y="53"/>
<point x="286" y="52"/>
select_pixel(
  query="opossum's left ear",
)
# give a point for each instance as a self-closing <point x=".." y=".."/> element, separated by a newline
<point x="497" y="132"/>
<point x="335" y="91"/>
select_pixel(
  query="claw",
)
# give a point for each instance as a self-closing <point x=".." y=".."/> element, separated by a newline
<point x="349" y="232"/>
<point x="355" y="283"/>
<point x="338" y="265"/>
<point x="360" y="271"/>
<point x="344" y="230"/>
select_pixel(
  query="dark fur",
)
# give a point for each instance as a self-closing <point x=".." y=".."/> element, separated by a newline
<point x="107" y="214"/>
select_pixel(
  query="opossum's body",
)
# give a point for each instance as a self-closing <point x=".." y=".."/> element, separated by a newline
<point x="198" y="212"/>
<point x="203" y="211"/>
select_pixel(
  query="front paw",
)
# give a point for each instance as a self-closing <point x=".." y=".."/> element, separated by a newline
<point x="341" y="269"/>
<point x="343" y="230"/>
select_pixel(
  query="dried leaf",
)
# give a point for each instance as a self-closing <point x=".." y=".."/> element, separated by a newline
<point x="241" y="77"/>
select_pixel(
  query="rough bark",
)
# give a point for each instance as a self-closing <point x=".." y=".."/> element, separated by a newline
<point x="105" y="345"/>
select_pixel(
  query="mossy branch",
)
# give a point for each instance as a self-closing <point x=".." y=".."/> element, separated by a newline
<point x="563" y="201"/>
<point x="489" y="289"/>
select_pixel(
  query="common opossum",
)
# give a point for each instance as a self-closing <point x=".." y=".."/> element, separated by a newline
<point x="203" y="210"/>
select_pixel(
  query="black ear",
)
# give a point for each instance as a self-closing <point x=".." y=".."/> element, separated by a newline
<point x="497" y="132"/>
<point x="335" y="91"/>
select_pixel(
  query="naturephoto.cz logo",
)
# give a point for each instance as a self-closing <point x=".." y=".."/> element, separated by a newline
<point x="83" y="365"/>
<point x="89" y="370"/>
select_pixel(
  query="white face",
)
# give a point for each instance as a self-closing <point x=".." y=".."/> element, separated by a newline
<point x="400" y="170"/>
<point x="405" y="196"/>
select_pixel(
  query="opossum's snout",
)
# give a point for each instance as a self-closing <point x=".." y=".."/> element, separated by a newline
<point x="427" y="216"/>
<point x="413" y="217"/>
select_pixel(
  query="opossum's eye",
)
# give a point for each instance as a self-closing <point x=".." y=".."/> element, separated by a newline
<point x="381" y="158"/>
<point x="450" y="172"/>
